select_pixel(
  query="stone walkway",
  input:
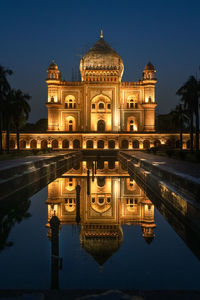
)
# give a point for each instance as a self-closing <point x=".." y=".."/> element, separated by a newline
<point x="170" y="164"/>
<point x="7" y="164"/>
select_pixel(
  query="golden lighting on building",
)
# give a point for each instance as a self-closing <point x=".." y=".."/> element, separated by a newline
<point x="101" y="102"/>
<point x="111" y="203"/>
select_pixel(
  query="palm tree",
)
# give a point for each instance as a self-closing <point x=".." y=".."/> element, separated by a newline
<point x="179" y="121"/>
<point x="4" y="88"/>
<point x="8" y="115"/>
<point x="21" y="110"/>
<point x="189" y="96"/>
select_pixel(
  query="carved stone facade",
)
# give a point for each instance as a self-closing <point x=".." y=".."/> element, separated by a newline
<point x="100" y="111"/>
<point x="101" y="102"/>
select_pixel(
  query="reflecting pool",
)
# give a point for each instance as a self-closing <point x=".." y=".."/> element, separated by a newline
<point x="110" y="235"/>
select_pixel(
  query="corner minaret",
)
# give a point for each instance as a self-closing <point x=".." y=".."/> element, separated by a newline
<point x="149" y="102"/>
<point x="149" y="72"/>
<point x="54" y="96"/>
<point x="53" y="72"/>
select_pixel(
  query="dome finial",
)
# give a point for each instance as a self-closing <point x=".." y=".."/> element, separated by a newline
<point x="101" y="35"/>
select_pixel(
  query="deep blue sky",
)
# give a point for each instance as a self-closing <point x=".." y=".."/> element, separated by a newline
<point x="32" y="33"/>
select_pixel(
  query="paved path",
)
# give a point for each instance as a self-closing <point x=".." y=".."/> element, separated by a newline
<point x="7" y="164"/>
<point x="170" y="164"/>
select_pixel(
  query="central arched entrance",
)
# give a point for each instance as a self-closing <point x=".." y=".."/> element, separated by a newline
<point x="101" y="126"/>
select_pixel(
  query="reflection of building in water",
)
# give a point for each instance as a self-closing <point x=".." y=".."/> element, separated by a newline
<point x="104" y="166"/>
<point x="112" y="202"/>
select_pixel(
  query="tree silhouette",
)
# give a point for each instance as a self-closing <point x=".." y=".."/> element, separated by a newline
<point x="20" y="112"/>
<point x="189" y="93"/>
<point x="11" y="212"/>
<point x="4" y="89"/>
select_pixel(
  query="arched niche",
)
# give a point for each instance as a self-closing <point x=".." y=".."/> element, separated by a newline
<point x="70" y="124"/>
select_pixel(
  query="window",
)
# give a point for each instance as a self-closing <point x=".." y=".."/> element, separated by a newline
<point x="131" y="125"/>
<point x="89" y="144"/>
<point x="111" y="164"/>
<point x="93" y="200"/>
<point x="93" y="105"/>
<point x="65" y="144"/>
<point x="108" y="106"/>
<point x="131" y="103"/>
<point x="108" y="200"/>
<point x="100" y="144"/>
<point x="70" y="102"/>
<point x="101" y="105"/>
<point x="101" y="200"/>
<point x="135" y="144"/>
<point x="111" y="144"/>
<point x="52" y="99"/>
<point x="70" y="125"/>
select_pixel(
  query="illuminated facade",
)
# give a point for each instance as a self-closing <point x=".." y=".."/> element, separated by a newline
<point x="111" y="203"/>
<point x="100" y="111"/>
<point x="101" y="102"/>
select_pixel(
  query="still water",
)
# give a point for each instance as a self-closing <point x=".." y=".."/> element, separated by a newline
<point x="122" y="241"/>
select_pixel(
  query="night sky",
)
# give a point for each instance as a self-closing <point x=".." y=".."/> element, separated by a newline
<point x="32" y="33"/>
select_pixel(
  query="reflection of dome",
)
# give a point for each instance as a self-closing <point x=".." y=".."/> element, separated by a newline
<point x="53" y="66"/>
<point x="149" y="66"/>
<point x="101" y="57"/>
<point x="101" y="243"/>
